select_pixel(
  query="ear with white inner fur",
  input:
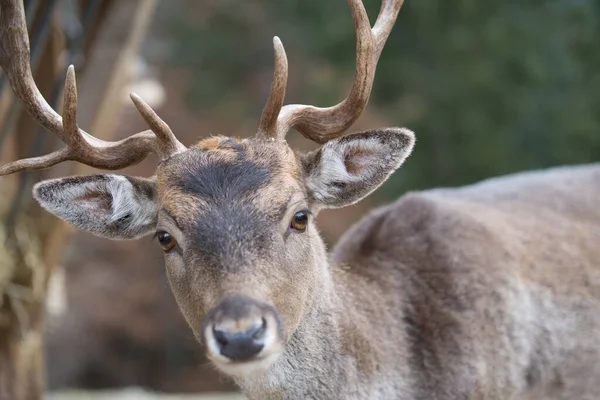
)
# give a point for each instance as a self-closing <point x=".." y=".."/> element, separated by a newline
<point x="110" y="206"/>
<point x="345" y="170"/>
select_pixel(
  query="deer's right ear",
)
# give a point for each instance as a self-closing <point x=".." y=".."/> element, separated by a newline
<point x="110" y="206"/>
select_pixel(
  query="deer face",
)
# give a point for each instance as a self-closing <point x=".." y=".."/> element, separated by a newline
<point x="235" y="221"/>
<point x="239" y="254"/>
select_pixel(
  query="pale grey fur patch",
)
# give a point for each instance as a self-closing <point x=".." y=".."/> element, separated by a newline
<point x="110" y="206"/>
<point x="346" y="170"/>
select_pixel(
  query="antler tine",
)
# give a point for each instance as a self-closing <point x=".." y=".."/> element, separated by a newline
<point x="324" y="124"/>
<point x="168" y="142"/>
<point x="81" y="146"/>
<point x="271" y="111"/>
<point x="69" y="119"/>
<point x="384" y="24"/>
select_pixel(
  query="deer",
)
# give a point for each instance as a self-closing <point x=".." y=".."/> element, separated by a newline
<point x="484" y="291"/>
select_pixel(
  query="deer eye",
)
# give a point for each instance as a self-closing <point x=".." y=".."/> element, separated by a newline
<point x="300" y="221"/>
<point x="165" y="240"/>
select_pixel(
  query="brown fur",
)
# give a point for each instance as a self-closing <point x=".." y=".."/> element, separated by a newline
<point x="280" y="159"/>
<point x="500" y="286"/>
<point x="270" y="199"/>
<point x="217" y="143"/>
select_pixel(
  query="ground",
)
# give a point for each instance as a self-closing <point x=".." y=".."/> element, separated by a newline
<point x="136" y="394"/>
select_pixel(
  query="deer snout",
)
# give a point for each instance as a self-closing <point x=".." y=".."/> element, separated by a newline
<point x="241" y="329"/>
<point x="241" y="345"/>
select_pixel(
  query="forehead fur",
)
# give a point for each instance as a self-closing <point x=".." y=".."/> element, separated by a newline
<point x="221" y="171"/>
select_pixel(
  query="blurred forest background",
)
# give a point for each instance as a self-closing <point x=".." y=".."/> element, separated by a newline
<point x="489" y="88"/>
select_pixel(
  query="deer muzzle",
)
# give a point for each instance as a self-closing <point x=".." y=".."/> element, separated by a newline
<point x="241" y="330"/>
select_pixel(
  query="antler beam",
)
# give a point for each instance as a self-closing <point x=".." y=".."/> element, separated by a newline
<point x="324" y="124"/>
<point x="81" y="146"/>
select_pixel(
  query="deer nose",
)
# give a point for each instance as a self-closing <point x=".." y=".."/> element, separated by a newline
<point x="240" y="329"/>
<point x="241" y="345"/>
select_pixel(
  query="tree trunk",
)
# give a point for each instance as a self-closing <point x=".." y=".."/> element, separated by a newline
<point x="21" y="365"/>
<point x="24" y="278"/>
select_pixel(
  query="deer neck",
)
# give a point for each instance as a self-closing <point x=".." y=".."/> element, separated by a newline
<point x="331" y="354"/>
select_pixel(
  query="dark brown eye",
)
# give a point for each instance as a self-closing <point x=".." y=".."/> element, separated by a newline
<point x="165" y="240"/>
<point x="300" y="221"/>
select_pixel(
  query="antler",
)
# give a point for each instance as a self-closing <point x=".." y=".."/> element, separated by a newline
<point x="324" y="124"/>
<point x="81" y="146"/>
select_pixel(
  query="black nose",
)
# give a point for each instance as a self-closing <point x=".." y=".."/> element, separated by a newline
<point x="241" y="346"/>
<point x="240" y="328"/>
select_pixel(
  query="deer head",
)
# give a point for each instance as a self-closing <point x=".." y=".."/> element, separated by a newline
<point x="234" y="217"/>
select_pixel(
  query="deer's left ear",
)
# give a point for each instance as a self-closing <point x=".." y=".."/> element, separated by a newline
<point x="348" y="169"/>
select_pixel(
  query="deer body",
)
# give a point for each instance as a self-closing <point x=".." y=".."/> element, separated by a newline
<point x="487" y="291"/>
<point x="490" y="291"/>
